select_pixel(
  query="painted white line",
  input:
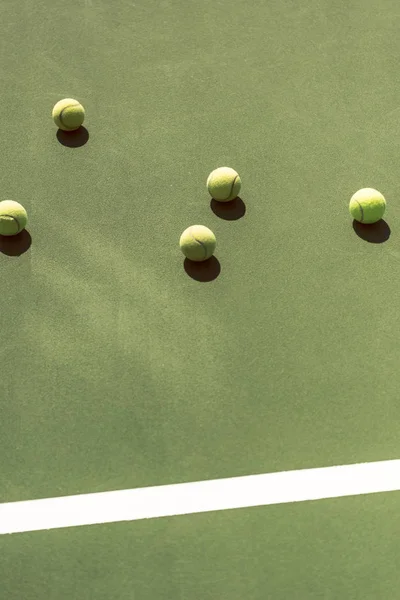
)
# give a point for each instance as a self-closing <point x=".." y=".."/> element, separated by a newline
<point x="201" y="496"/>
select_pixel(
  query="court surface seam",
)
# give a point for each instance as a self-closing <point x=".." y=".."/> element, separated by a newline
<point x="201" y="496"/>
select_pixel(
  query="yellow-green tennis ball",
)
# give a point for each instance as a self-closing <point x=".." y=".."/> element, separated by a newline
<point x="367" y="206"/>
<point x="197" y="243"/>
<point x="68" y="114"/>
<point x="224" y="184"/>
<point x="13" y="217"/>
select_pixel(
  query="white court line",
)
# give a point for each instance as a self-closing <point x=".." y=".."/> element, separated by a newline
<point x="200" y="496"/>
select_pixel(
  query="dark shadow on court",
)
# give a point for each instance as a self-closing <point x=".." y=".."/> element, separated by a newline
<point x="208" y="270"/>
<point x="73" y="139"/>
<point x="15" y="245"/>
<point x="375" y="233"/>
<point x="230" y="211"/>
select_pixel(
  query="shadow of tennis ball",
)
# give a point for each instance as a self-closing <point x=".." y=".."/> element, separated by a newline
<point x="15" y="245"/>
<point x="375" y="233"/>
<point x="73" y="139"/>
<point x="204" y="271"/>
<point x="230" y="211"/>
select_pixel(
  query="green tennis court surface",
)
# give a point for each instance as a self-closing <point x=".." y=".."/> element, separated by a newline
<point x="341" y="548"/>
<point x="123" y="368"/>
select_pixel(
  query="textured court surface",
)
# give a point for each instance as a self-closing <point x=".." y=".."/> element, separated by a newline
<point x="122" y="368"/>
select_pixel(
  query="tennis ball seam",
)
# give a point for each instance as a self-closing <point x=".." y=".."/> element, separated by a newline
<point x="62" y="113"/>
<point x="233" y="185"/>
<point x="199" y="242"/>
<point x="13" y="219"/>
<point x="361" y="210"/>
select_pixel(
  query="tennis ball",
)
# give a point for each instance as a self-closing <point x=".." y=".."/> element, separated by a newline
<point x="367" y="206"/>
<point x="224" y="184"/>
<point x="68" y="114"/>
<point x="197" y="243"/>
<point x="13" y="217"/>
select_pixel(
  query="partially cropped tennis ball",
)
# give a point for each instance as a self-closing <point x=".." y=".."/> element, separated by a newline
<point x="224" y="184"/>
<point x="13" y="217"/>
<point x="68" y="114"/>
<point x="197" y="243"/>
<point x="367" y="206"/>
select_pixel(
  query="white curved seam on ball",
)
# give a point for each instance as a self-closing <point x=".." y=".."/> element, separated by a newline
<point x="201" y="244"/>
<point x="361" y="210"/>
<point x="233" y="185"/>
<point x="14" y="219"/>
